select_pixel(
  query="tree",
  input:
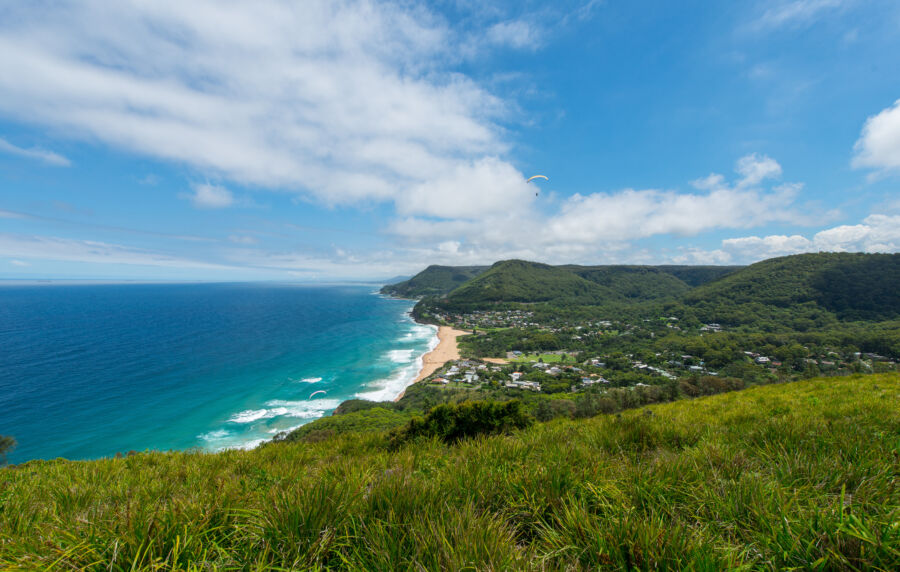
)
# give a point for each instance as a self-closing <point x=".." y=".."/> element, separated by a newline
<point x="7" y="444"/>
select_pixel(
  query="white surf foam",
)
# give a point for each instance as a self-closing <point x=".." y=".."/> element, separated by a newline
<point x="311" y="379"/>
<point x="392" y="386"/>
<point x="246" y="446"/>
<point x="217" y="435"/>
<point x="301" y="409"/>
<point x="401" y="356"/>
<point x="249" y="416"/>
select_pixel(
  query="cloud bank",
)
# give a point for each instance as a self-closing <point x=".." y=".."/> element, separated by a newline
<point x="342" y="101"/>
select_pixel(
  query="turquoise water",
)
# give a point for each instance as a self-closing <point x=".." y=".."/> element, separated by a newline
<point x="90" y="370"/>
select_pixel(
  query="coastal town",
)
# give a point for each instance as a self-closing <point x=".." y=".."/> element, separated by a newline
<point x="561" y="357"/>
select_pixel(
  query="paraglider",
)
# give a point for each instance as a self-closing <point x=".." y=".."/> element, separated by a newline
<point x="316" y="393"/>
<point x="533" y="177"/>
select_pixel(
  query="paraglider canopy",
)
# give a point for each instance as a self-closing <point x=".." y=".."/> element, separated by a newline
<point x="533" y="177"/>
<point x="314" y="393"/>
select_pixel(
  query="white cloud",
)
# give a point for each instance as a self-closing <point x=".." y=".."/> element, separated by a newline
<point x="783" y="13"/>
<point x="878" y="146"/>
<point x="517" y="34"/>
<point x="876" y="233"/>
<point x="700" y="256"/>
<point x="632" y="214"/>
<point x="207" y="196"/>
<point x="463" y="191"/>
<point x="603" y="226"/>
<point x="344" y="101"/>
<point x="756" y="168"/>
<point x="48" y="157"/>
<point x="15" y="262"/>
<point x="66" y="249"/>
<point x="767" y="247"/>
<point x="242" y="239"/>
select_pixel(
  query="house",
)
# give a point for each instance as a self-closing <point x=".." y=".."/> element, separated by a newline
<point x="762" y="360"/>
<point x="515" y="375"/>
<point x="532" y="385"/>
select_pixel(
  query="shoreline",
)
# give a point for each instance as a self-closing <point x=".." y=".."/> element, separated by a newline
<point x="444" y="351"/>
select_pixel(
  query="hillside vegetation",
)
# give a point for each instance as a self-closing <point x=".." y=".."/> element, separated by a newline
<point x="846" y="286"/>
<point x="797" y="293"/>
<point x="632" y="282"/>
<point x="521" y="281"/>
<point x="433" y="281"/>
<point x="619" y="281"/>
<point x="801" y="475"/>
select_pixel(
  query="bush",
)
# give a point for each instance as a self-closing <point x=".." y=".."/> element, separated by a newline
<point x="451" y="423"/>
<point x="549" y="409"/>
<point x="7" y="444"/>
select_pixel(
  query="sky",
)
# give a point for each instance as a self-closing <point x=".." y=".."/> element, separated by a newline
<point x="362" y="140"/>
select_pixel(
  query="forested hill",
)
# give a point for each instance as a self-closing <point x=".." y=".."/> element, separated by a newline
<point x="849" y="286"/>
<point x="521" y="281"/>
<point x="433" y="281"/>
<point x="649" y="282"/>
<point x="518" y="281"/>
<point x="797" y="292"/>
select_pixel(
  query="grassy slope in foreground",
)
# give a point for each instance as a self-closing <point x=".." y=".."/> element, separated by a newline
<point x="797" y="475"/>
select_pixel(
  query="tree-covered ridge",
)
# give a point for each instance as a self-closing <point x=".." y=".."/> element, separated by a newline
<point x="433" y="281"/>
<point x="791" y="293"/>
<point x="521" y="281"/>
<point x="620" y="282"/>
<point x="633" y="282"/>
<point x="697" y="275"/>
<point x="848" y="286"/>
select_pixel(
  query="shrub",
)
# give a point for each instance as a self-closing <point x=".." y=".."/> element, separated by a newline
<point x="7" y="444"/>
<point x="451" y="423"/>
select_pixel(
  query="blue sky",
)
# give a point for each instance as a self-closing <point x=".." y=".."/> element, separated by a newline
<point x="362" y="140"/>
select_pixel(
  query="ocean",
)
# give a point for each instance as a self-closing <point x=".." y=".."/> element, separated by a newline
<point x="87" y="371"/>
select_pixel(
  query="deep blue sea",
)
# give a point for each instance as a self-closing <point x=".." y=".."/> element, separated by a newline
<point x="90" y="370"/>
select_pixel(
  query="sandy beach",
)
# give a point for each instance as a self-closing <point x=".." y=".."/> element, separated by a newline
<point x="445" y="351"/>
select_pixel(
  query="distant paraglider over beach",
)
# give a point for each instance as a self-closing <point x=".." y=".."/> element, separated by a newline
<point x="533" y="177"/>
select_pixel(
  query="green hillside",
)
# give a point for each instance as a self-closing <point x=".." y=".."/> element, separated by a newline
<point x="433" y="281"/>
<point x="792" y="476"/>
<point x="697" y="275"/>
<point x="521" y="281"/>
<point x="633" y="282"/>
<point x="847" y="286"/>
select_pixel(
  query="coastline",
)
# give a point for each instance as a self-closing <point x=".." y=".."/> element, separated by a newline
<point x="445" y="351"/>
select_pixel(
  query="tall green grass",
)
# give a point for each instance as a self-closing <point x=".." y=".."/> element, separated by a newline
<point x="796" y="476"/>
